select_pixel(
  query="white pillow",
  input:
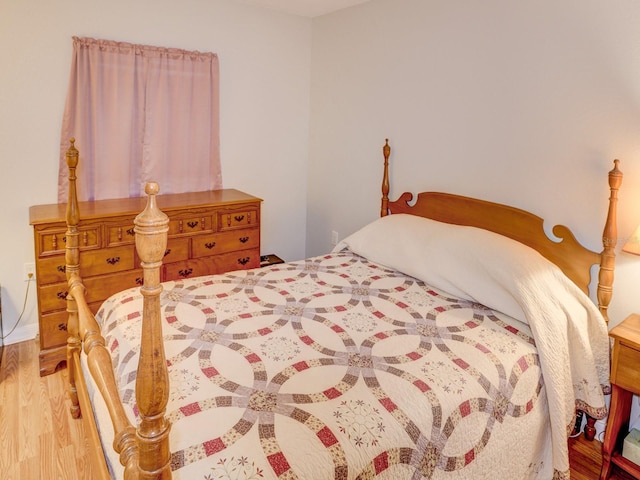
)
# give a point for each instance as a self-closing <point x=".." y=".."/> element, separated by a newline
<point x="467" y="262"/>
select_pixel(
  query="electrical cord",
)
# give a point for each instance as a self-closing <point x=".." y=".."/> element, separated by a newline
<point x="24" y="307"/>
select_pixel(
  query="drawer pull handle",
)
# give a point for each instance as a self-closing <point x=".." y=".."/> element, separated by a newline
<point x="62" y="295"/>
<point x="113" y="260"/>
<point x="167" y="252"/>
<point x="210" y="245"/>
<point x="185" y="273"/>
<point x="243" y="239"/>
<point x="62" y="327"/>
<point x="139" y="281"/>
<point x="193" y="224"/>
<point x="244" y="260"/>
<point x="61" y="268"/>
<point x="239" y="218"/>
<point x="130" y="231"/>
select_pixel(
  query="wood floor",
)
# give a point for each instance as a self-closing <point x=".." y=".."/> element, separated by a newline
<point x="38" y="437"/>
<point x="40" y="440"/>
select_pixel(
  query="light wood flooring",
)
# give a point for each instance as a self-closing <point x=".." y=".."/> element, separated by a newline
<point x="40" y="440"/>
<point x="38" y="437"/>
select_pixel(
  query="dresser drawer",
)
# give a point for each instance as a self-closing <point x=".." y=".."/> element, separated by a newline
<point x="626" y="373"/>
<point x="101" y="288"/>
<point x="120" y="233"/>
<point x="177" y="250"/>
<point x="54" y="297"/>
<point x="184" y="269"/>
<point x="53" y="327"/>
<point x="190" y="224"/>
<point x="107" y="260"/>
<point x="206" y="245"/>
<point x="51" y="269"/>
<point x="52" y="241"/>
<point x="222" y="263"/>
<point x="238" y="218"/>
<point x="241" y="260"/>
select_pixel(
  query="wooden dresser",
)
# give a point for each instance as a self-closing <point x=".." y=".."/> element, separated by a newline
<point x="209" y="232"/>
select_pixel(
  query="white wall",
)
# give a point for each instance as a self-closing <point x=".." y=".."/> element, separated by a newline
<point x="525" y="103"/>
<point x="265" y="76"/>
<point x="519" y="102"/>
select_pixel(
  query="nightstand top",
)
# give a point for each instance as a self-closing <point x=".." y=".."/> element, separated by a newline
<point x="628" y="330"/>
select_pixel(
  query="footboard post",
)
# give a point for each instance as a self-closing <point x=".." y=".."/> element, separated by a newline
<point x="152" y="381"/>
<point x="72" y="266"/>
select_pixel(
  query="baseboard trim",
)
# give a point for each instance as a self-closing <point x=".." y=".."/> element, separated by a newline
<point x="22" y="334"/>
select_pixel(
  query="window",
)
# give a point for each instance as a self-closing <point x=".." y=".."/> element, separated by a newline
<point x="141" y="113"/>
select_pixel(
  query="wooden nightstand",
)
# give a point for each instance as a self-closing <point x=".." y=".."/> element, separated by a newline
<point x="625" y="382"/>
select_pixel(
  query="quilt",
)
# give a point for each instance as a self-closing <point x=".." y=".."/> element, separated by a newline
<point x="343" y="367"/>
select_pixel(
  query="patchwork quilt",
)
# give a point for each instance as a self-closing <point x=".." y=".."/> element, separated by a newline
<point x="337" y="367"/>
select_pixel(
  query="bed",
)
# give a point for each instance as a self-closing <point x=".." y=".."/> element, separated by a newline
<point x="449" y="339"/>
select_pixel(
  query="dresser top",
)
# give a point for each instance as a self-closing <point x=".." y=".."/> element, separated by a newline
<point x="56" y="212"/>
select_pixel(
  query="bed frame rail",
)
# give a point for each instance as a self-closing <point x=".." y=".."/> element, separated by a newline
<point x="144" y="452"/>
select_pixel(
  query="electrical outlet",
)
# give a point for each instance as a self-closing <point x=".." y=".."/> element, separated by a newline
<point x="29" y="271"/>
<point x="334" y="238"/>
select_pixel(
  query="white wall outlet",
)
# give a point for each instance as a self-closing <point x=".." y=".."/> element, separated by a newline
<point x="334" y="238"/>
<point x="29" y="271"/>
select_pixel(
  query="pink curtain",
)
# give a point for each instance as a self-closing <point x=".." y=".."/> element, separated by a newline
<point x="141" y="113"/>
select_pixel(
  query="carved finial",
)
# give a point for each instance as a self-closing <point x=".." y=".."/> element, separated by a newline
<point x="615" y="175"/>
<point x="151" y="226"/>
<point x="72" y="154"/>
<point x="151" y="215"/>
<point x="152" y="188"/>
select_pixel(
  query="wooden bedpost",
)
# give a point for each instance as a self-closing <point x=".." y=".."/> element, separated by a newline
<point x="84" y="333"/>
<point x="386" y="151"/>
<point x="152" y="381"/>
<point x="609" y="241"/>
<point x="72" y="267"/>
<point x="607" y="263"/>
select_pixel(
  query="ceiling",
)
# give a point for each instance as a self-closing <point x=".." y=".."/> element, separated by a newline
<point x="304" y="8"/>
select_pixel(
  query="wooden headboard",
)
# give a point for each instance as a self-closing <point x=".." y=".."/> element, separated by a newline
<point x="573" y="259"/>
